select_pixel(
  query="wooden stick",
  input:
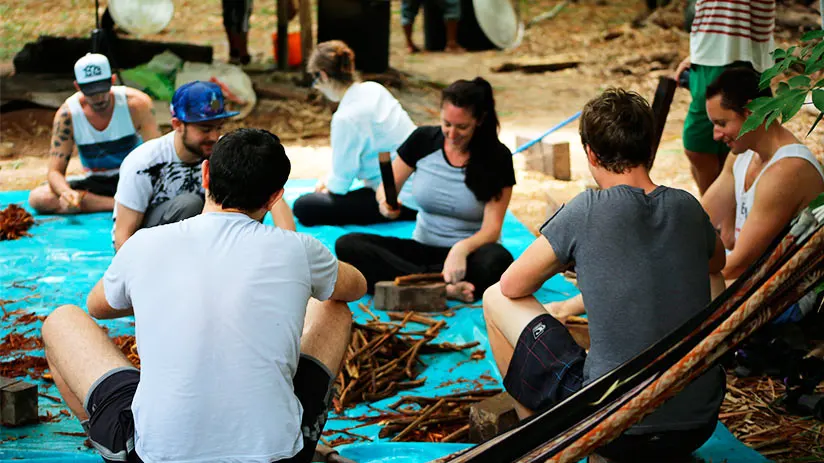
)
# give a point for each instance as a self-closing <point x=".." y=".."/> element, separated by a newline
<point x="418" y="278"/>
<point x="423" y="417"/>
<point x="459" y="433"/>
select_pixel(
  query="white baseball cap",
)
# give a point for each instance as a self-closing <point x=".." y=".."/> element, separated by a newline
<point x="93" y="74"/>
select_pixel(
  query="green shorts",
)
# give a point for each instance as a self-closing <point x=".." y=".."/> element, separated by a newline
<point x="697" y="126"/>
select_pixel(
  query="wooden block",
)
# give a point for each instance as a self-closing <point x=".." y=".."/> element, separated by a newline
<point x="491" y="417"/>
<point x="556" y="160"/>
<point x="533" y="156"/>
<point x="18" y="402"/>
<point x="427" y="297"/>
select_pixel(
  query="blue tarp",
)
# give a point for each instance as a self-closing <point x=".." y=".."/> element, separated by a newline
<point x="66" y="256"/>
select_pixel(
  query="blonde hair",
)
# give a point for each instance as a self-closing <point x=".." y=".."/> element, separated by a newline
<point x="336" y="59"/>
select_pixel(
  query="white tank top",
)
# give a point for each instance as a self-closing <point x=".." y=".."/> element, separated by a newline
<point x="744" y="199"/>
<point x="102" y="152"/>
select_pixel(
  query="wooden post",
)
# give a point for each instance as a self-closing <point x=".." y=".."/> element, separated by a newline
<point x="556" y="160"/>
<point x="534" y="155"/>
<point x="306" y="39"/>
<point x="18" y="402"/>
<point x="283" y="34"/>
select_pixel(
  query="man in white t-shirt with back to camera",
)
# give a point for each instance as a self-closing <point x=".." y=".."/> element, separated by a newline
<point x="160" y="180"/>
<point x="238" y="353"/>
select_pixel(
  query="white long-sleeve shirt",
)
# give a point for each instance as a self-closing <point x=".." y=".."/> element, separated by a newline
<point x="369" y="120"/>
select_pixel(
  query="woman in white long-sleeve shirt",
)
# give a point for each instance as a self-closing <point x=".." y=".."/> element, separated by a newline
<point x="368" y="121"/>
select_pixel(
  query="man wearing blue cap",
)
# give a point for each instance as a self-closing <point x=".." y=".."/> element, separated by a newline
<point x="105" y="123"/>
<point x="160" y="181"/>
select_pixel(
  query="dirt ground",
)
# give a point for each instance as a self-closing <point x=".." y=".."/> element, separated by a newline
<point x="528" y="104"/>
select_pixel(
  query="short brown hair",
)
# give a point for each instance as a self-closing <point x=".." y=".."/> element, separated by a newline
<point x="618" y="126"/>
<point x="336" y="59"/>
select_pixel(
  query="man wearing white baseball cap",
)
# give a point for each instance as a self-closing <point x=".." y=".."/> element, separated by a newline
<point x="105" y="123"/>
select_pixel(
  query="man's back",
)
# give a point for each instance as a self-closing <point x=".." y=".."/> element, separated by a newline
<point x="218" y="328"/>
<point x="643" y="269"/>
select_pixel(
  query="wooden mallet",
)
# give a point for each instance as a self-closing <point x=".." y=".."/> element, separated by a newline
<point x="388" y="178"/>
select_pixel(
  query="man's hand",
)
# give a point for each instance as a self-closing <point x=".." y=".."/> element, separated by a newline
<point x="71" y="200"/>
<point x="454" y="267"/>
<point x="320" y="187"/>
<point x="684" y="64"/>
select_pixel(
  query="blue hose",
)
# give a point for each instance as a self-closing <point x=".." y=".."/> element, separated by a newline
<point x="528" y="144"/>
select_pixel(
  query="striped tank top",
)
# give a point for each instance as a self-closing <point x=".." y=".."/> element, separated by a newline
<point x="102" y="152"/>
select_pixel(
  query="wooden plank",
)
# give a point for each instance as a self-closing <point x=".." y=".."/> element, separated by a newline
<point x="428" y="297"/>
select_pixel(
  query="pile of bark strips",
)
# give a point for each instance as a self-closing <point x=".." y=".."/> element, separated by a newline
<point x="753" y="412"/>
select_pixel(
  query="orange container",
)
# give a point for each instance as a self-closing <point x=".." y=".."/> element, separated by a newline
<point x="293" y="46"/>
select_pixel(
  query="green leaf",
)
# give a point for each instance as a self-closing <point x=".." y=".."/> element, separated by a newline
<point x="819" y="84"/>
<point x="768" y="76"/>
<point x="818" y="99"/>
<point x="779" y="53"/>
<point x="759" y="103"/>
<point x="799" y="81"/>
<point x="783" y="87"/>
<point x="757" y="118"/>
<point x="814" y="66"/>
<point x="792" y="106"/>
<point x="817" y="120"/>
<point x="816" y="34"/>
<point x="772" y="117"/>
<point x="815" y="58"/>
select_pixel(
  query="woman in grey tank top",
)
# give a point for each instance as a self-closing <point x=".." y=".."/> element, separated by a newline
<point x="463" y="184"/>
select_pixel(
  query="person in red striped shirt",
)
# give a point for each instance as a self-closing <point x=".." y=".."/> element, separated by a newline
<point x="723" y="33"/>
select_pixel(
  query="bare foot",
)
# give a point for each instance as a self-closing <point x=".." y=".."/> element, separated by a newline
<point x="461" y="291"/>
<point x="454" y="48"/>
<point x="412" y="48"/>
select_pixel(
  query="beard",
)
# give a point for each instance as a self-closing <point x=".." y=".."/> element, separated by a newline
<point x="196" y="149"/>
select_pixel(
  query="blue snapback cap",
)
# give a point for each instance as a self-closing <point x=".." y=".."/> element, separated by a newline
<point x="199" y="102"/>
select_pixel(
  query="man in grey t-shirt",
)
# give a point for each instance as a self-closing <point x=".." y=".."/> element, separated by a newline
<point x="643" y="254"/>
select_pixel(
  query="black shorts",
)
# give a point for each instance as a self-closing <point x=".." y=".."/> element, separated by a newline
<point x="548" y="366"/>
<point x="102" y="185"/>
<point x="111" y="423"/>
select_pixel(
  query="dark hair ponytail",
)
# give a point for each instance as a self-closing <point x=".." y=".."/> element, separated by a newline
<point x="483" y="175"/>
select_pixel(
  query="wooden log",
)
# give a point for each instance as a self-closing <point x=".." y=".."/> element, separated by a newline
<point x="491" y="417"/>
<point x="18" y="402"/>
<point x="429" y="297"/>
<point x="57" y="55"/>
<point x="536" y="68"/>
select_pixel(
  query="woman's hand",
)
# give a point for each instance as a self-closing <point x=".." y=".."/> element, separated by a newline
<point x="385" y="209"/>
<point x="454" y="267"/>
<point x="320" y="187"/>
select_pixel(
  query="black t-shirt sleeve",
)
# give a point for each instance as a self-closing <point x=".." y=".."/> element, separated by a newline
<point x="421" y="143"/>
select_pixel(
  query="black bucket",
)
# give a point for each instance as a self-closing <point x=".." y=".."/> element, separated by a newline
<point x="363" y="25"/>
<point x="470" y="35"/>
